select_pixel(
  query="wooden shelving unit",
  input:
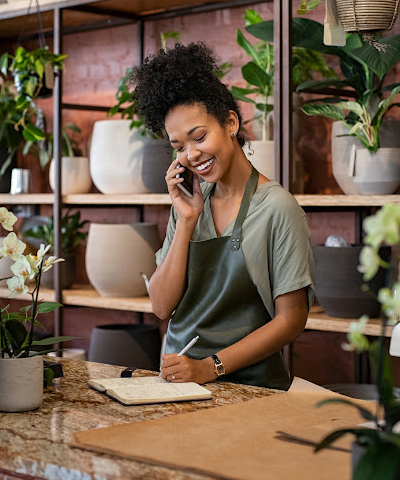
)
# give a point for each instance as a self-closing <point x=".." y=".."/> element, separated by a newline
<point x="318" y="201"/>
<point x="86" y="296"/>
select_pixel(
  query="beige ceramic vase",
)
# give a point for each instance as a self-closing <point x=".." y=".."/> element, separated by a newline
<point x="75" y="175"/>
<point x="21" y="381"/>
<point x="116" y="254"/>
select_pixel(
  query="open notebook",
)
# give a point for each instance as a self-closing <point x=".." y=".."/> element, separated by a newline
<point x="143" y="390"/>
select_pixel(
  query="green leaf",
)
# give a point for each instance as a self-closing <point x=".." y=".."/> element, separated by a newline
<point x="379" y="462"/>
<point x="34" y="133"/>
<point x="326" y="110"/>
<point x="247" y="46"/>
<point x="380" y="62"/>
<point x="48" y="376"/>
<point x="52" y="340"/>
<point x="313" y="4"/>
<point x="255" y="75"/>
<point x="318" y="84"/>
<point x="16" y="333"/>
<point x="47" y="307"/>
<point x="252" y="17"/>
<point x="4" y="64"/>
<point x="352" y="106"/>
<point x="332" y="437"/>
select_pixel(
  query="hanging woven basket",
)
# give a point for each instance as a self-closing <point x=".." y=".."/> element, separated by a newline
<point x="367" y="15"/>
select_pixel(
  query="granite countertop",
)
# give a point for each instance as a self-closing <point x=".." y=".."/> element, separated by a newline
<point x="38" y="443"/>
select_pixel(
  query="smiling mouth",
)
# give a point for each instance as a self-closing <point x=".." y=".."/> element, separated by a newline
<point x="205" y="165"/>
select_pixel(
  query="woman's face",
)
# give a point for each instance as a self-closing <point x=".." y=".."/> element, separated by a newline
<point x="201" y="143"/>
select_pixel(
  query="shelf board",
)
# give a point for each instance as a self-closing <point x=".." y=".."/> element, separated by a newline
<point x="319" y="320"/>
<point x="85" y="296"/>
<point x="164" y="199"/>
<point x="128" y="199"/>
<point x="27" y="199"/>
<point x="346" y="200"/>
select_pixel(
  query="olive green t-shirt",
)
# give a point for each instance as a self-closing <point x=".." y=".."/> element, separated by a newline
<point x="275" y="241"/>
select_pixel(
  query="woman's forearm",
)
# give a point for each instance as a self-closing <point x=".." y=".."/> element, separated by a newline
<point x="167" y="284"/>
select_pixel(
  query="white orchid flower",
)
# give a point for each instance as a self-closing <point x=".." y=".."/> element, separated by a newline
<point x="12" y="247"/>
<point x="390" y="300"/>
<point x="50" y="262"/>
<point x="370" y="261"/>
<point x="357" y="340"/>
<point x="17" y="286"/>
<point x="22" y="268"/>
<point x="42" y="251"/>
<point x="7" y="219"/>
<point x="383" y="227"/>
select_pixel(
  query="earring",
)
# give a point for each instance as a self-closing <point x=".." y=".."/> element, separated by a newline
<point x="233" y="134"/>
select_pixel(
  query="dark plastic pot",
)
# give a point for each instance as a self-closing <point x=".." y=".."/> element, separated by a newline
<point x="339" y="285"/>
<point x="134" y="346"/>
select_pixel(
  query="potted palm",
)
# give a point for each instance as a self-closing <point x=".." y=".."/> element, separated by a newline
<point x="376" y="452"/>
<point x="21" y="366"/>
<point x="71" y="236"/>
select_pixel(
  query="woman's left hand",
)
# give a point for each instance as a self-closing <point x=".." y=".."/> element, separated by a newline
<point x="179" y="369"/>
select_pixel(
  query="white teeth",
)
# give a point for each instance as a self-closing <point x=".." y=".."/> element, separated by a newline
<point x="205" y="165"/>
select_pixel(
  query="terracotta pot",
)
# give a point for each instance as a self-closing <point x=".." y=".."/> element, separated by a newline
<point x="135" y="346"/>
<point x="338" y="283"/>
<point x="117" y="253"/>
<point x="123" y="161"/>
<point x="21" y="381"/>
<point x="75" y="175"/>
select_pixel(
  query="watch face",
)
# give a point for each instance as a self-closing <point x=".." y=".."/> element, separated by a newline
<point x="220" y="369"/>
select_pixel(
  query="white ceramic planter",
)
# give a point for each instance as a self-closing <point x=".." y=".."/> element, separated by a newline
<point x="117" y="253"/>
<point x="21" y="383"/>
<point x="377" y="173"/>
<point x="342" y="146"/>
<point x="75" y="175"/>
<point x="122" y="161"/>
<point x="261" y="155"/>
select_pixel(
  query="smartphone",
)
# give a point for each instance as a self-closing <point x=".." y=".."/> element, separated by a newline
<point x="187" y="185"/>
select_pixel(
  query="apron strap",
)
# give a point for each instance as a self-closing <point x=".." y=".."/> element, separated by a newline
<point x="244" y="207"/>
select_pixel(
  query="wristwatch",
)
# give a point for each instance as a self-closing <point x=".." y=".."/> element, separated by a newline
<point x="219" y="367"/>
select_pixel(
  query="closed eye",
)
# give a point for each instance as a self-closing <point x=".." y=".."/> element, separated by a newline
<point x="199" y="140"/>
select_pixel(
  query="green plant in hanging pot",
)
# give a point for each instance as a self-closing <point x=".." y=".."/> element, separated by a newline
<point x="21" y="365"/>
<point x="32" y="71"/>
<point x="72" y="234"/>
<point x="378" y="442"/>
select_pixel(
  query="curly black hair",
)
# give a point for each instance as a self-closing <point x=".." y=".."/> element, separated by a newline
<point x="183" y="75"/>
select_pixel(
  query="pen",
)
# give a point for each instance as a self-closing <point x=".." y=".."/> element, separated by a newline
<point x="189" y="345"/>
<point x="185" y="349"/>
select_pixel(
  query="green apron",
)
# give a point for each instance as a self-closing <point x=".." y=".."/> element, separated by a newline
<point x="221" y="304"/>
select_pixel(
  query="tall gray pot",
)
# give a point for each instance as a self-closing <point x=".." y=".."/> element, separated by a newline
<point x="135" y="346"/>
<point x="342" y="146"/>
<point x="339" y="285"/>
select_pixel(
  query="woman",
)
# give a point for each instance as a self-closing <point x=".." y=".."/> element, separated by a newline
<point x="236" y="265"/>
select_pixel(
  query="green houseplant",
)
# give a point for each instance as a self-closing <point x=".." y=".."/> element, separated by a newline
<point x="378" y="441"/>
<point x="363" y="72"/>
<point x="21" y="366"/>
<point x="23" y="77"/>
<point x="72" y="234"/>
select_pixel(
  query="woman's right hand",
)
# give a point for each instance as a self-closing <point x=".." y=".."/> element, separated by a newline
<point x="187" y="208"/>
